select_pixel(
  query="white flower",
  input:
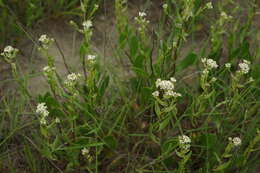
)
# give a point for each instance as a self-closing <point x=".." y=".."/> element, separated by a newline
<point x="156" y="93"/>
<point x="91" y="57"/>
<point x="173" y="79"/>
<point x="209" y="5"/>
<point x="142" y="14"/>
<point x="209" y="63"/>
<point x="9" y="52"/>
<point x="228" y="65"/>
<point x="45" y="41"/>
<point x="48" y="69"/>
<point x="42" y="109"/>
<point x="225" y="16"/>
<point x="84" y="151"/>
<point x="244" y="67"/>
<point x="172" y="93"/>
<point x="165" y="6"/>
<point x="57" y="120"/>
<point x="236" y="141"/>
<point x="87" y="24"/>
<point x="72" y="79"/>
<point x="184" y="139"/>
<point x="165" y="85"/>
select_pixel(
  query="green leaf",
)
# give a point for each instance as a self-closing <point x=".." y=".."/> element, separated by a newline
<point x="190" y="59"/>
<point x="103" y="86"/>
<point x="169" y="145"/>
<point x="223" y="166"/>
<point x="140" y="72"/>
<point x="133" y="45"/>
<point x="165" y="123"/>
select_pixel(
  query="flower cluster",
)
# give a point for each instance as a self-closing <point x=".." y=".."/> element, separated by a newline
<point x="167" y="87"/>
<point x="228" y="65"/>
<point x="141" y="20"/>
<point x="184" y="142"/>
<point x="236" y="141"/>
<point x="225" y="16"/>
<point x="45" y="41"/>
<point x="47" y="70"/>
<point x="42" y="110"/>
<point x="87" y="25"/>
<point x="91" y="58"/>
<point x="209" y="63"/>
<point x="85" y="152"/>
<point x="72" y="79"/>
<point x="244" y="67"/>
<point x="209" y="5"/>
<point x="9" y="52"/>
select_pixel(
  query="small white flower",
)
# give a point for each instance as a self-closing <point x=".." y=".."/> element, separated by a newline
<point x="165" y="6"/>
<point x="244" y="67"/>
<point x="172" y="93"/>
<point x="236" y="141"/>
<point x="45" y="41"/>
<point x="91" y="57"/>
<point x="72" y="79"/>
<point x="57" y="120"/>
<point x="209" y="5"/>
<point x="173" y="79"/>
<point x="156" y="93"/>
<point x="142" y="14"/>
<point x="42" y="109"/>
<point x="225" y="16"/>
<point x="87" y="24"/>
<point x="184" y="139"/>
<point x="209" y="63"/>
<point x="84" y="151"/>
<point x="48" y="69"/>
<point x="165" y="85"/>
<point x="9" y="52"/>
<point x="228" y="65"/>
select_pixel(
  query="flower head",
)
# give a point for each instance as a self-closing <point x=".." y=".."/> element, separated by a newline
<point x="87" y="25"/>
<point x="209" y="5"/>
<point x="244" y="67"/>
<point x="184" y="142"/>
<point x="72" y="79"/>
<point x="45" y="41"/>
<point x="142" y="14"/>
<point x="42" y="109"/>
<point x="84" y="151"/>
<point x="236" y="141"/>
<point x="91" y="58"/>
<point x="47" y="70"/>
<point x="209" y="63"/>
<point x="184" y="139"/>
<point x="156" y="93"/>
<point x="43" y="112"/>
<point x="227" y="65"/>
<point x="9" y="52"/>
